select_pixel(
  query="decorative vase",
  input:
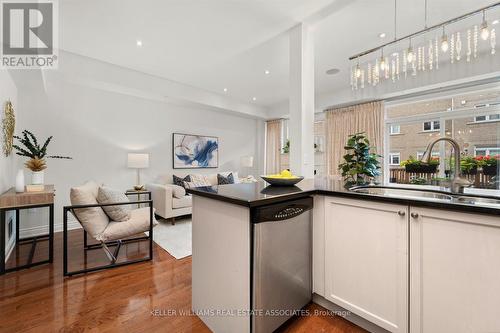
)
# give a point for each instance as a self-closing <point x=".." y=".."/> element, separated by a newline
<point x="20" y="181"/>
<point x="37" y="177"/>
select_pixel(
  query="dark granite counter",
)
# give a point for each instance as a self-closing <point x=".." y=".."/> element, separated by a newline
<point x="260" y="194"/>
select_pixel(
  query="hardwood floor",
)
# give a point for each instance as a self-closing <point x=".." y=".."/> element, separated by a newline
<point x="147" y="297"/>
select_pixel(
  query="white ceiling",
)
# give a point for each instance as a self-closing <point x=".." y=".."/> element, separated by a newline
<point x="220" y="44"/>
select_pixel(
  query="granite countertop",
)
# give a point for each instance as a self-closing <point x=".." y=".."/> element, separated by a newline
<point x="260" y="194"/>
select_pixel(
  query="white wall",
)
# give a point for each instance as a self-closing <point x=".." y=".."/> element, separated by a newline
<point x="98" y="126"/>
<point x="8" y="91"/>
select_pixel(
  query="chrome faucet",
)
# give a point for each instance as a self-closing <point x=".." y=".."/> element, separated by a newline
<point x="458" y="183"/>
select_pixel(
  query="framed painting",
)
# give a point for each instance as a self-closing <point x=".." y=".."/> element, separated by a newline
<point x="194" y="151"/>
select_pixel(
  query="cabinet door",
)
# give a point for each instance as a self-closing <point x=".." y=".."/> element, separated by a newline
<point x="366" y="260"/>
<point x="455" y="272"/>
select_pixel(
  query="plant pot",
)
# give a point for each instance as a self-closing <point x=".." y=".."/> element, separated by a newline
<point x="37" y="177"/>
<point x="490" y="170"/>
<point x="472" y="171"/>
<point x="424" y="168"/>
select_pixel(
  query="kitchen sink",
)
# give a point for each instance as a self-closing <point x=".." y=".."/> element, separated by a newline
<point x="403" y="193"/>
<point x="428" y="195"/>
<point x="478" y="201"/>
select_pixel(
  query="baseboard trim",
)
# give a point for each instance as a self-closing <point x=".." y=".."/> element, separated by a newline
<point x="353" y="318"/>
<point x="44" y="230"/>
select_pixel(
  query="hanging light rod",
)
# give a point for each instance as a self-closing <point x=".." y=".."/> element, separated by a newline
<point x="453" y="20"/>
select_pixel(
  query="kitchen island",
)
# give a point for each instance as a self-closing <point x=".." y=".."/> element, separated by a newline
<point x="363" y="246"/>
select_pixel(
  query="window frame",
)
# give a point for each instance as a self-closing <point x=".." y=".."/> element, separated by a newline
<point x="487" y="118"/>
<point x="391" y="155"/>
<point x="433" y="127"/>
<point x="487" y="151"/>
<point x="391" y="128"/>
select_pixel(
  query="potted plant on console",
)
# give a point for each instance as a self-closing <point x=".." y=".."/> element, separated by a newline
<point x="36" y="153"/>
<point x="360" y="165"/>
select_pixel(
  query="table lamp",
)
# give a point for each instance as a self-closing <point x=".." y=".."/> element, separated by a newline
<point x="138" y="161"/>
<point x="246" y="162"/>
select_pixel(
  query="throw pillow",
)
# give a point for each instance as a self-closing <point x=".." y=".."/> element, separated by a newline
<point x="178" y="192"/>
<point x="93" y="219"/>
<point x="224" y="180"/>
<point x="180" y="181"/>
<point x="116" y="213"/>
<point x="197" y="183"/>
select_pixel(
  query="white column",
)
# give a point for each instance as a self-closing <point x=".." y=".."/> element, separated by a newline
<point x="301" y="122"/>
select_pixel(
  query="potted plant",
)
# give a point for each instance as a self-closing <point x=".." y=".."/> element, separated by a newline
<point x="36" y="154"/>
<point x="413" y="165"/>
<point x="489" y="164"/>
<point x="360" y="166"/>
<point x="468" y="165"/>
<point x="286" y="148"/>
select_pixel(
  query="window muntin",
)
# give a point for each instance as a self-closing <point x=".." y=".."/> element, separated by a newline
<point x="491" y="117"/>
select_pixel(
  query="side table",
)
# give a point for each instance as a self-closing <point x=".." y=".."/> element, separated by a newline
<point x="12" y="201"/>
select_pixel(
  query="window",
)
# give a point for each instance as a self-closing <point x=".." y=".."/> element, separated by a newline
<point x="420" y="154"/>
<point x="486" y="151"/>
<point x="431" y="126"/>
<point x="394" y="158"/>
<point x="491" y="117"/>
<point x="395" y="129"/>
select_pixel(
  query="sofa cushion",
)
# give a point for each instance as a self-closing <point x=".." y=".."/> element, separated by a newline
<point x="224" y="180"/>
<point x="185" y="201"/>
<point x="138" y="223"/>
<point x="93" y="220"/>
<point x="179" y="181"/>
<point x="119" y="213"/>
<point x="178" y="191"/>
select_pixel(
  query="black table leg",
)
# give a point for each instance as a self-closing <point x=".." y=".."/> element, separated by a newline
<point x="51" y="233"/>
<point x="2" y="241"/>
<point x="17" y="226"/>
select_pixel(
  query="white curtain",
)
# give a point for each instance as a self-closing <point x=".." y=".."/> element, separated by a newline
<point x="273" y="146"/>
<point x="342" y="122"/>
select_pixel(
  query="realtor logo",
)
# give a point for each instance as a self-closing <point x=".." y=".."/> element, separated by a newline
<point x="29" y="34"/>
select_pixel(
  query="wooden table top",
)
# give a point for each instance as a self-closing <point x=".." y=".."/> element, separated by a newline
<point x="25" y="199"/>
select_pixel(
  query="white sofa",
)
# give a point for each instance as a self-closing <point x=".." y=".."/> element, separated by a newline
<point x="168" y="206"/>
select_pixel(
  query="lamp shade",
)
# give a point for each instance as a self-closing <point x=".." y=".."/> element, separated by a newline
<point x="138" y="161"/>
<point x="246" y="161"/>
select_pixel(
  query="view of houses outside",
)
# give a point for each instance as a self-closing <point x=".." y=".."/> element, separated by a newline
<point x="476" y="128"/>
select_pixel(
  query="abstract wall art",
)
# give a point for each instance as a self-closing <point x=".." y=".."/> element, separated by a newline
<point x="195" y="151"/>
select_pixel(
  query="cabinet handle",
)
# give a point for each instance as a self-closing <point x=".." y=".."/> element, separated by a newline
<point x="401" y="213"/>
<point x="414" y="215"/>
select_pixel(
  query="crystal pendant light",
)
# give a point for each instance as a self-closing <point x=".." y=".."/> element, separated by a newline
<point x="382" y="61"/>
<point x="493" y="41"/>
<point x="458" y="46"/>
<point x="485" y="33"/>
<point x="444" y="42"/>
<point x="357" y="71"/>
<point x="410" y="55"/>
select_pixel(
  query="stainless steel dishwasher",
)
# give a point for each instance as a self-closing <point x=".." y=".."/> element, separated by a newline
<point x="282" y="262"/>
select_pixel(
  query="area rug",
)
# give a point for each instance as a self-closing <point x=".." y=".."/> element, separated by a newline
<point x="175" y="239"/>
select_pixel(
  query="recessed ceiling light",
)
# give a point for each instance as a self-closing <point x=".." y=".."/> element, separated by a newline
<point x="332" y="71"/>
<point x="495" y="22"/>
<point x="225" y="89"/>
<point x="463" y="102"/>
<point x="267" y="72"/>
<point x="254" y="98"/>
<point x="138" y="43"/>
<point x="382" y="35"/>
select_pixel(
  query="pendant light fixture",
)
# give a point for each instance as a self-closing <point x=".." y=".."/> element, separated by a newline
<point x="444" y="42"/>
<point x="424" y="49"/>
<point x="485" y="33"/>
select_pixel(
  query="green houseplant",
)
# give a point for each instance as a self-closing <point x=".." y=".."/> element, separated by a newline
<point x="468" y="165"/>
<point x="360" y="166"/>
<point x="36" y="153"/>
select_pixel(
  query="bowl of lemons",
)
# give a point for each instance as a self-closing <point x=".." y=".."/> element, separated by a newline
<point x="284" y="178"/>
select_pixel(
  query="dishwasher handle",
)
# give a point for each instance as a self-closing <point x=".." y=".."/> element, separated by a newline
<point x="282" y="211"/>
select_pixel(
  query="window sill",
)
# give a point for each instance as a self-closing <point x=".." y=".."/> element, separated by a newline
<point x="395" y="134"/>
<point x="431" y="131"/>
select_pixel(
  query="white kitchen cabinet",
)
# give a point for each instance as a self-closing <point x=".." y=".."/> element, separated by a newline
<point x="455" y="272"/>
<point x="366" y="260"/>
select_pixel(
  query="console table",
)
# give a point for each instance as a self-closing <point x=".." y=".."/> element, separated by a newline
<point x="12" y="201"/>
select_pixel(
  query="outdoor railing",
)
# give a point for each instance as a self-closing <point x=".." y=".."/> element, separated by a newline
<point x="400" y="176"/>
